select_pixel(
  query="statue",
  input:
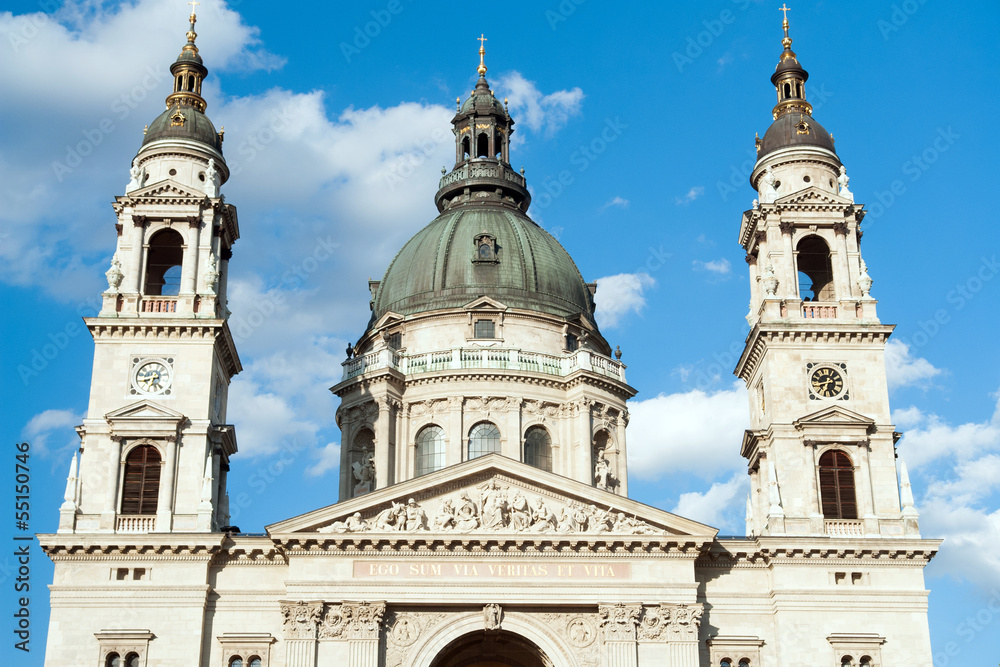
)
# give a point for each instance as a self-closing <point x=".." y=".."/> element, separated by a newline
<point x="843" y="180"/>
<point x="137" y="175"/>
<point x="445" y="517"/>
<point x="467" y="514"/>
<point x="365" y="474"/>
<point x="114" y="274"/>
<point x="491" y="616"/>
<point x="391" y="518"/>
<point x="353" y="524"/>
<point x="211" y="275"/>
<point x="350" y="351"/>
<point x="520" y="511"/>
<point x="212" y="179"/>
<point x="542" y="518"/>
<point x="770" y="189"/>
<point x="602" y="471"/>
<point x="415" y="517"/>
<point x="865" y="281"/>
<point x="494" y="506"/>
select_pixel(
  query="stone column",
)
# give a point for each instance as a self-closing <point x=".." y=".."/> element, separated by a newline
<point x="585" y="436"/>
<point x="788" y="266"/>
<point x="133" y="269"/>
<point x="165" y="498"/>
<point x="111" y="492"/>
<point x="618" y="627"/>
<point x="382" y="444"/>
<point x="844" y="283"/>
<point x="363" y="633"/>
<point x="299" y="628"/>
<point x="189" y="265"/>
<point x="455" y="435"/>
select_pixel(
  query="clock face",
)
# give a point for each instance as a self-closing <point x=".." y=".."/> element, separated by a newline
<point x="826" y="382"/>
<point x="153" y="377"/>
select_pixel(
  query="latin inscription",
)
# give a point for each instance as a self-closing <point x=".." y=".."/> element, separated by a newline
<point x="364" y="569"/>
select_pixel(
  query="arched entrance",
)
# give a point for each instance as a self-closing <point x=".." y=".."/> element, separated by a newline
<point x="491" y="649"/>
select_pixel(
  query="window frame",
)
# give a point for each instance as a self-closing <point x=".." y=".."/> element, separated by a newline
<point x="489" y="438"/>
<point x="420" y="470"/>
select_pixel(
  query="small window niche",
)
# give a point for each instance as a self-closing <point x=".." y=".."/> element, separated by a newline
<point x="486" y="250"/>
<point x="484" y="328"/>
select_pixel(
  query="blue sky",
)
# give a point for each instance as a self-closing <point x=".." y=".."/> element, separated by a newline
<point x="336" y="139"/>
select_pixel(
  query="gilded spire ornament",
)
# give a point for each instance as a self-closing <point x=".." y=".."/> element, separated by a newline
<point x="482" y="55"/>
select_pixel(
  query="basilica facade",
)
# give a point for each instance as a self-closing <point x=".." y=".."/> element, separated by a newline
<point x="483" y="515"/>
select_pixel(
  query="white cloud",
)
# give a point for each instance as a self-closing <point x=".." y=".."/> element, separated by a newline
<point x="540" y="112"/>
<point x="930" y="438"/>
<point x="692" y="194"/>
<point x="692" y="432"/>
<point x="902" y="368"/>
<point x="327" y="459"/>
<point x="621" y="294"/>
<point x="721" y="267"/>
<point x="620" y="202"/>
<point x="720" y="506"/>
<point x="50" y="424"/>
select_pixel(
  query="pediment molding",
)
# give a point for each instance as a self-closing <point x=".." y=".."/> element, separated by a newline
<point x="155" y="193"/>
<point x="835" y="423"/>
<point x="813" y="195"/>
<point x="145" y="419"/>
<point x="485" y="303"/>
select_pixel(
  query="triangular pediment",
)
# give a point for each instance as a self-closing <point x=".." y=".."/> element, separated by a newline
<point x="485" y="303"/>
<point x="147" y="409"/>
<point x="813" y="195"/>
<point x="836" y="415"/>
<point x="387" y="319"/>
<point x="167" y="189"/>
<point x="493" y="495"/>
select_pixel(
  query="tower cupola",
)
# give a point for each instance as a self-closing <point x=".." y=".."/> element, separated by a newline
<point x="482" y="126"/>
<point x="189" y="72"/>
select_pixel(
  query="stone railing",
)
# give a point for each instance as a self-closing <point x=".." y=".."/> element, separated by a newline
<point x="485" y="169"/>
<point x="136" y="523"/>
<point x="484" y="357"/>
<point x="158" y="304"/>
<point x="844" y="528"/>
<point x="819" y="310"/>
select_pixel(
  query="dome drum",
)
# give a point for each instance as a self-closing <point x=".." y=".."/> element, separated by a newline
<point x="483" y="175"/>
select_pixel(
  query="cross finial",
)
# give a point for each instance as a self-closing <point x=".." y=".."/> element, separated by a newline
<point x="784" y="9"/>
<point x="482" y="54"/>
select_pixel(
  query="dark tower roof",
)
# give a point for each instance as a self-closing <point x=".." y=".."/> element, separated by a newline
<point x="483" y="243"/>
<point x="185" y="116"/>
<point x="793" y="122"/>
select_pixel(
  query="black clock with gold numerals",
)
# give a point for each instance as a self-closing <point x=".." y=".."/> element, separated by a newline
<point x="826" y="382"/>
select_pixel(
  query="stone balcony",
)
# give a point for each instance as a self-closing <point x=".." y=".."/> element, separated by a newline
<point x="467" y="358"/>
<point x="854" y="310"/>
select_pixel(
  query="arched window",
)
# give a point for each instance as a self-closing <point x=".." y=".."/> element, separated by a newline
<point x="744" y="663"/>
<point x="254" y="661"/>
<point x="482" y="146"/>
<point x="815" y="270"/>
<point x="602" y="441"/>
<point x="113" y="660"/>
<point x="538" y="448"/>
<point x="726" y="662"/>
<point x="866" y="661"/>
<point x="163" y="263"/>
<point x="836" y="486"/>
<point x="142" y="480"/>
<point x="430" y="450"/>
<point x="847" y="661"/>
<point x="484" y="438"/>
<point x="788" y="91"/>
<point x="132" y="660"/>
<point x="236" y="661"/>
<point x="363" y="445"/>
<point x="465" y="149"/>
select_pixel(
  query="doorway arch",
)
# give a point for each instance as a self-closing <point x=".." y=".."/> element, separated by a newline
<point x="443" y="647"/>
<point x="491" y="649"/>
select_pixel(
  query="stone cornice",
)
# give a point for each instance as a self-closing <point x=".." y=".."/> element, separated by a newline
<point x="116" y="547"/>
<point x="764" y="551"/>
<point x="808" y="332"/>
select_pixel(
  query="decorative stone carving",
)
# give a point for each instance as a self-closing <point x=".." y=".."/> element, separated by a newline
<point x="619" y="621"/>
<point x="212" y="179"/>
<point x="364" y="473"/>
<point x="843" y="181"/>
<point x="580" y="631"/>
<point x="770" y="281"/>
<point x="492" y="617"/>
<point x="136" y="175"/>
<point x="769" y="191"/>
<point x="602" y="471"/>
<point x="667" y="622"/>
<point x="114" y="274"/>
<point x="211" y="275"/>
<point x="300" y="619"/>
<point x="365" y="619"/>
<point x="865" y="281"/>
<point x="404" y="631"/>
<point x="495" y="508"/>
<point x="335" y="620"/>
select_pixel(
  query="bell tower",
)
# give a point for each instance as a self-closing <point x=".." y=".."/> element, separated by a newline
<point x="821" y="450"/>
<point x="155" y="445"/>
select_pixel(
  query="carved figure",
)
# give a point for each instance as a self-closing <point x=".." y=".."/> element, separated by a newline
<point x="770" y="281"/>
<point x="445" y="517"/>
<point x="212" y="179"/>
<point x="211" y="275"/>
<point x="865" y="281"/>
<point x="770" y="190"/>
<point x="137" y="175"/>
<point x="415" y="517"/>
<point x="391" y="518"/>
<point x="542" y="518"/>
<point x="520" y="511"/>
<point x="353" y="524"/>
<point x="494" y="507"/>
<point x="600" y="521"/>
<point x="602" y="470"/>
<point x="843" y="180"/>
<point x="467" y="514"/>
<point x="492" y="616"/>
<point x="365" y="474"/>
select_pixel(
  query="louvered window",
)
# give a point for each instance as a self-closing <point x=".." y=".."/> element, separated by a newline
<point x="836" y="486"/>
<point x="142" y="481"/>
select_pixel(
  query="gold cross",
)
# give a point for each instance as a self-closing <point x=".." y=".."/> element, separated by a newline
<point x="481" y="39"/>
<point x="193" y="5"/>
<point x="784" y="9"/>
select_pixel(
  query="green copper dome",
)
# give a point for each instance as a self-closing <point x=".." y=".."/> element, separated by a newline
<point x="445" y="266"/>
<point x="195" y="126"/>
